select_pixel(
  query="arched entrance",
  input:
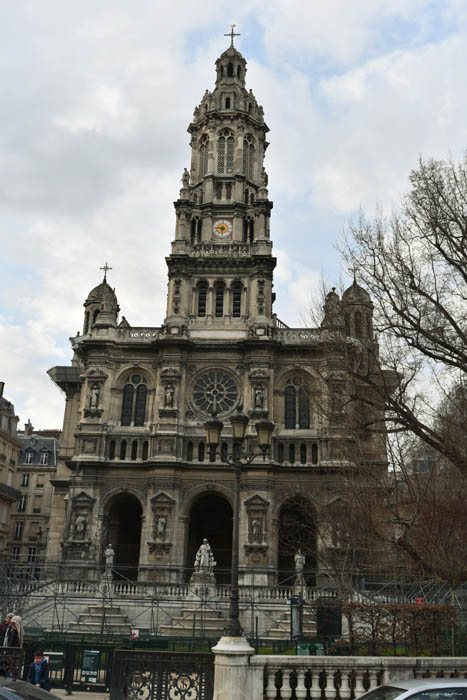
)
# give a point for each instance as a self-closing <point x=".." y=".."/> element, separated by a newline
<point x="211" y="518"/>
<point x="297" y="531"/>
<point x="124" y="533"/>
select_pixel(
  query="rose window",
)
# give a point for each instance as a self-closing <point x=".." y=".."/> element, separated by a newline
<point x="215" y="391"/>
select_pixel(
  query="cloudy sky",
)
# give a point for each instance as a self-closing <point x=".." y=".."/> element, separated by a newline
<point x="96" y="98"/>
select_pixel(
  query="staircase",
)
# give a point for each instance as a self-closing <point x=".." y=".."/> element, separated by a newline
<point x="198" y="621"/>
<point x="108" y="619"/>
<point x="281" y="630"/>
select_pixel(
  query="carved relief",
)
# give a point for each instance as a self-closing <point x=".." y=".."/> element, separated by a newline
<point x="162" y="508"/>
<point x="78" y="544"/>
<point x="257" y="547"/>
<point x="170" y="377"/>
<point x="95" y="381"/>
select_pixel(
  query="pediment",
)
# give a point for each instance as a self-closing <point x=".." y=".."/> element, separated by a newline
<point x="256" y="502"/>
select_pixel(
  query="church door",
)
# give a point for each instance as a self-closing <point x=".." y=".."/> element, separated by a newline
<point x="211" y="518"/>
<point x="124" y="533"/>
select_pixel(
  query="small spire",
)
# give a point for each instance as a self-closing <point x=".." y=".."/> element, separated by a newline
<point x="231" y="34"/>
<point x="106" y="268"/>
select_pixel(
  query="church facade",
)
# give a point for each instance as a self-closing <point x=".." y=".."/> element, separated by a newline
<point x="134" y="470"/>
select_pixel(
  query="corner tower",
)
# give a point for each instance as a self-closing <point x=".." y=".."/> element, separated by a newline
<point x="221" y="265"/>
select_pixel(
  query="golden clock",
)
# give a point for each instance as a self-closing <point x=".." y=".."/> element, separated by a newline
<point x="222" y="228"/>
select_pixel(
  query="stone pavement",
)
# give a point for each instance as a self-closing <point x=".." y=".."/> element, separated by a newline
<point x="79" y="695"/>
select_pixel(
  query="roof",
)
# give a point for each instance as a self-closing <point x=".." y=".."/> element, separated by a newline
<point x="37" y="443"/>
<point x="356" y="293"/>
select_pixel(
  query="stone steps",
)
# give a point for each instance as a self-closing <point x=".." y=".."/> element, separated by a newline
<point x="205" y="622"/>
<point x="101" y="618"/>
<point x="281" y="630"/>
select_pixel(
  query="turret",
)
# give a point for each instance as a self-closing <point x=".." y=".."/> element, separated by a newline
<point x="358" y="312"/>
<point x="101" y="307"/>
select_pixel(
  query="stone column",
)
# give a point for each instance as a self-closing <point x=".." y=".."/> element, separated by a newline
<point x="231" y="669"/>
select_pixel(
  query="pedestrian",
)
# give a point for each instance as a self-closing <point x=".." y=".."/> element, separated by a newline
<point x="4" y="626"/>
<point x="38" y="671"/>
<point x="14" y="633"/>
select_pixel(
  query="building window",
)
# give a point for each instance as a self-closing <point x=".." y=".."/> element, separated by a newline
<point x="25" y="480"/>
<point x="22" y="504"/>
<point x="145" y="450"/>
<point x="248" y="157"/>
<point x="280" y="453"/>
<point x="296" y="405"/>
<point x="314" y="453"/>
<point x="19" y="529"/>
<point x="202" y="296"/>
<point x="291" y="454"/>
<point x="40" y="481"/>
<point x="15" y="553"/>
<point x="219" y="300"/>
<point x="237" y="299"/>
<point x="123" y="449"/>
<point x="134" y="449"/>
<point x="32" y="554"/>
<point x="227" y="102"/>
<point x="28" y="457"/>
<point x="189" y="452"/>
<point x="303" y="453"/>
<point x="358" y="324"/>
<point x="134" y="401"/>
<point x="230" y="70"/>
<point x="224" y="452"/>
<point x="37" y="504"/>
<point x="201" y="452"/>
<point x="112" y="449"/>
<point x="225" y="152"/>
<point x="44" y="459"/>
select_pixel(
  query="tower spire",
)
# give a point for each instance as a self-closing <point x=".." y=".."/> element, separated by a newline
<point x="106" y="268"/>
<point x="231" y="34"/>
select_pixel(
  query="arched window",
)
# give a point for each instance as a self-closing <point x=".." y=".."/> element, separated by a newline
<point x="189" y="452"/>
<point x="225" y="152"/>
<point x="202" y="296"/>
<point x="239" y="72"/>
<point x="201" y="452"/>
<point x="314" y="453"/>
<point x="230" y="70"/>
<point x="112" y="449"/>
<point x="248" y="156"/>
<point x="123" y="449"/>
<point x="219" y="300"/>
<point x="227" y="102"/>
<point x="296" y="405"/>
<point x="246" y="196"/>
<point x="280" y="453"/>
<point x="134" y="401"/>
<point x="237" y="299"/>
<point x="358" y="324"/>
<point x="291" y="453"/>
<point x="228" y="191"/>
<point x="145" y="450"/>
<point x="95" y="315"/>
<point x="203" y="154"/>
<point x="134" y="449"/>
<point x="303" y="453"/>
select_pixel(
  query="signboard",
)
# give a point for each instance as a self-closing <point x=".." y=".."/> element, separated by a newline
<point x="90" y="666"/>
<point x="420" y="601"/>
<point x="54" y="659"/>
<point x="296" y="605"/>
<point x="134" y="634"/>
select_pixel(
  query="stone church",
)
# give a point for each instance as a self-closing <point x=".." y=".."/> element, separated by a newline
<point x="134" y="469"/>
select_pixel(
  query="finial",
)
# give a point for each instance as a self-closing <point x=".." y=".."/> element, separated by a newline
<point x="231" y="34"/>
<point x="106" y="268"/>
<point x="353" y="270"/>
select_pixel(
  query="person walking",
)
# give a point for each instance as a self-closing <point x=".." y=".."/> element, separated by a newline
<point x="38" y="671"/>
<point x="4" y="626"/>
<point x="14" y="633"/>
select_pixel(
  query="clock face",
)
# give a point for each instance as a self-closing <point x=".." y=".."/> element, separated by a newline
<point x="222" y="228"/>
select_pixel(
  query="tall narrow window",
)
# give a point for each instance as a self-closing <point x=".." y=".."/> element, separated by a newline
<point x="22" y="504"/>
<point x="202" y="296"/>
<point x="227" y="102"/>
<point x="123" y="449"/>
<point x="189" y="452"/>
<point x="228" y="191"/>
<point x="25" y="480"/>
<point x="224" y="451"/>
<point x="145" y="450"/>
<point x="112" y="449"/>
<point x="225" y="152"/>
<point x="19" y="529"/>
<point x="303" y="453"/>
<point x="245" y="230"/>
<point x="237" y="300"/>
<point x="201" y="452"/>
<point x="127" y="404"/>
<point x="86" y="323"/>
<point x="95" y="315"/>
<point x="314" y="453"/>
<point x="303" y="410"/>
<point x="290" y="407"/>
<point x="239" y="72"/>
<point x="219" y="300"/>
<point x="230" y="70"/>
<point x="221" y="154"/>
<point x="230" y="154"/>
<point x="44" y="457"/>
<point x="134" y="449"/>
<point x="358" y="324"/>
<point x="28" y="457"/>
<point x="193" y="230"/>
<point x="140" y="404"/>
<point x="291" y="454"/>
<point x="280" y="453"/>
<point x="248" y="156"/>
<point x="251" y="230"/>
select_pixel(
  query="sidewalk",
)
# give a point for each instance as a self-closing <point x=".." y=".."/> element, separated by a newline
<point x="79" y="695"/>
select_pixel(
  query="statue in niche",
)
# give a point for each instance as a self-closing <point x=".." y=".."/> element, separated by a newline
<point x="94" y="396"/>
<point x="256" y="531"/>
<point x="186" y="179"/>
<point x="299" y="565"/>
<point x="161" y="527"/>
<point x="109" y="556"/>
<point x="169" y="396"/>
<point x="204" y="560"/>
<point x="259" y="398"/>
<point x="80" y="527"/>
<point x="264" y="177"/>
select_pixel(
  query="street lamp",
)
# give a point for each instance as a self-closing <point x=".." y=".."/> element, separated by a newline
<point x="237" y="460"/>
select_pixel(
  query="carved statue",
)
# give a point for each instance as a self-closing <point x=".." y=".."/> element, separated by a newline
<point x="94" y="396"/>
<point x="299" y="565"/>
<point x="80" y="527"/>
<point x="186" y="178"/>
<point x="256" y="531"/>
<point x="259" y="398"/>
<point x="161" y="527"/>
<point x="264" y="177"/>
<point x="109" y="555"/>
<point x="169" y="396"/>
<point x="204" y="560"/>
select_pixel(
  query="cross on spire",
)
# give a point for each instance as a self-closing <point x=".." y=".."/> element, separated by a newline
<point x="231" y="34"/>
<point x="106" y="268"/>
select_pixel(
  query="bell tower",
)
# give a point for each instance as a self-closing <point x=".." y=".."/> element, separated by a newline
<point x="221" y="265"/>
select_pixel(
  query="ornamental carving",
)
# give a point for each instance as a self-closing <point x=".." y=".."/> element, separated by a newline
<point x="215" y="390"/>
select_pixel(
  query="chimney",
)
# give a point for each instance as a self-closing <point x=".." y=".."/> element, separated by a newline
<point x="2" y="386"/>
<point x="28" y="428"/>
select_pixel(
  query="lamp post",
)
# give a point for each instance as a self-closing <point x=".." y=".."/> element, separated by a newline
<point x="264" y="431"/>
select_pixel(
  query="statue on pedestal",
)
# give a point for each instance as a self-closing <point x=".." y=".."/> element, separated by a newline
<point x="204" y="560"/>
<point x="109" y="556"/>
<point x="299" y="567"/>
<point x="80" y="526"/>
